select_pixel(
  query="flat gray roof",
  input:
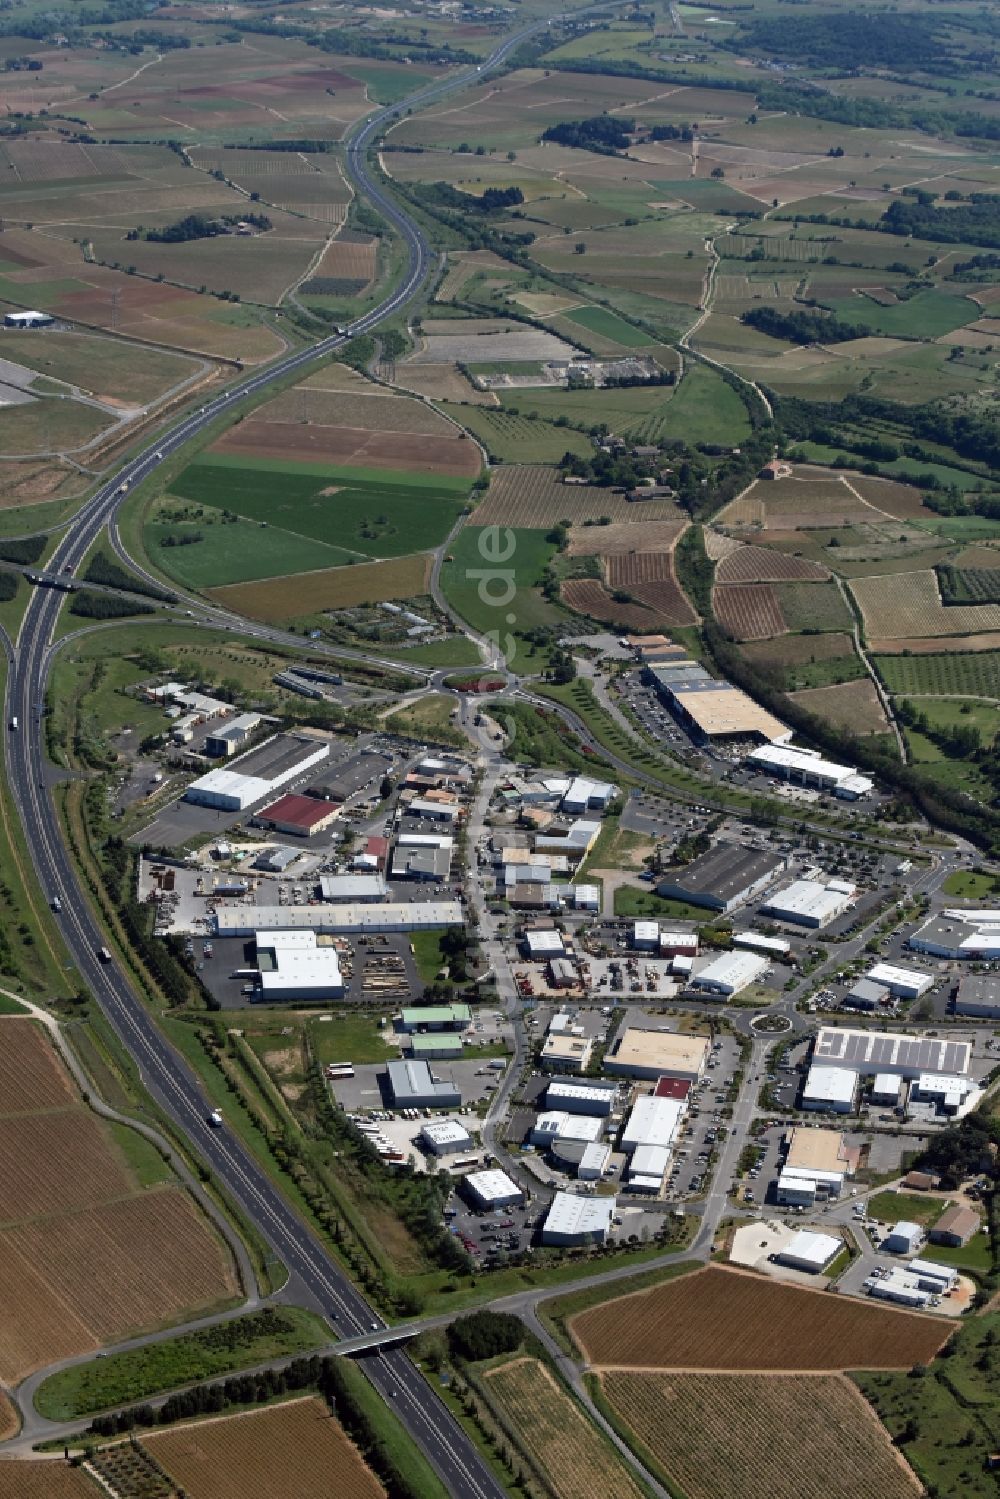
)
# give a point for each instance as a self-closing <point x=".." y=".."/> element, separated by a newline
<point x="725" y="870"/>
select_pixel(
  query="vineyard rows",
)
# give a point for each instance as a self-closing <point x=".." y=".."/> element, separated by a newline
<point x="763" y="565"/>
<point x="748" y="611"/>
<point x="969" y="673"/>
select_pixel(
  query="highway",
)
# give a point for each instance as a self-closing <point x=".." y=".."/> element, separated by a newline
<point x="316" y="1277"/>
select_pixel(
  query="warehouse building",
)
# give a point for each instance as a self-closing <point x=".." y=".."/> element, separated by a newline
<point x="30" y="319"/>
<point x="820" y="1150"/>
<point x="441" y="1045"/>
<point x="947" y="1093"/>
<point x="811" y="903"/>
<point x="242" y="921"/>
<point x="542" y="945"/>
<point x="978" y="996"/>
<point x="938" y="1279"/>
<point x="293" y="966"/>
<point x="810" y="1251"/>
<point x="677" y="1088"/>
<point x="258" y="773"/>
<point x="300" y="816"/>
<point x="453" y="1017"/>
<point x="904" y="983"/>
<point x="593" y="1161"/>
<point x="577" y="1220"/>
<point x="430" y="866"/>
<point x="653" y="1121"/>
<point x="903" y="1238"/>
<point x="575" y="841"/>
<point x="869" y="1052"/>
<point x="647" y="1168"/>
<point x="832" y="1088"/>
<point x="231" y="736"/>
<point x="867" y="995"/>
<point x="581" y="1098"/>
<point x="712" y="710"/>
<point x="899" y="1287"/>
<point x="970" y="934"/>
<point x="585" y="795"/>
<point x="885" y="1088"/>
<point x="729" y="973"/>
<point x="654" y="1054"/>
<point x="674" y="944"/>
<point x="445" y="1137"/>
<point x="412" y="1086"/>
<point x="646" y="936"/>
<point x="726" y="877"/>
<point x="563" y="1052"/>
<point x="338" y="889"/>
<point x="808" y="768"/>
<point x="492" y="1189"/>
<point x="776" y="948"/>
<point x="955" y="1227"/>
<point x="557" y="1125"/>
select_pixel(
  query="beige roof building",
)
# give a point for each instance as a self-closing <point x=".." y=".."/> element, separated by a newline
<point x="564" y="1053"/>
<point x="818" y="1150"/>
<point x="652" y="1054"/>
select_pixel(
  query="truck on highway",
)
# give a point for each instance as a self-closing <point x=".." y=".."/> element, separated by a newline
<point x="13" y="726"/>
<point x="104" y="954"/>
<point x="215" y="1118"/>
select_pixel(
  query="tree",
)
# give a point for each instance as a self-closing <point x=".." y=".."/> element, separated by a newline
<point x="485" y="1334"/>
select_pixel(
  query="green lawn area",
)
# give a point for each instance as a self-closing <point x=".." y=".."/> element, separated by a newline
<point x="976" y="1255"/>
<point x="500" y="596"/>
<point x="387" y="84"/>
<point x="352" y="1037"/>
<point x="962" y="527"/>
<point x="630" y="901"/>
<point x="891" y="1207"/>
<point x="427" y="952"/>
<point x="456" y="650"/>
<point x="609" y="325"/>
<point x="968" y="884"/>
<point x="144" y="1160"/>
<point x="10" y="1006"/>
<point x="371" y="512"/>
<point x="538" y="737"/>
<point x="706" y="409"/>
<point x="954" y="713"/>
<point x="141" y="1372"/>
<point x="429" y="716"/>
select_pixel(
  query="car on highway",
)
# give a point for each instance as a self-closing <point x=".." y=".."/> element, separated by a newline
<point x="215" y="1118"/>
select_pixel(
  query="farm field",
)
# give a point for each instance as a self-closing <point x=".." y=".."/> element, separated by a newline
<point x="639" y="412"/>
<point x="503" y="596"/>
<point x="799" y="661"/>
<point x="853" y="706"/>
<point x="909" y="605"/>
<point x="722" y="1436"/>
<point x="625" y="537"/>
<point x="328" y="399"/>
<point x="45" y="1480"/>
<point x="442" y="382"/>
<point x="588" y="596"/>
<point x="529" y="495"/>
<point x="78" y="1228"/>
<point x="558" y="1437"/>
<point x="297" y="1447"/>
<point x="509" y="437"/>
<point x="748" y="611"/>
<point x="813" y="606"/>
<point x="650" y="578"/>
<point x="972" y="673"/>
<point x="731" y="1320"/>
<point x="200" y="548"/>
<point x="705" y="409"/>
<point x="450" y="454"/>
<point x="305" y="593"/>
<point x="359" y="511"/>
<point x="110" y="369"/>
<point x="752" y="564"/>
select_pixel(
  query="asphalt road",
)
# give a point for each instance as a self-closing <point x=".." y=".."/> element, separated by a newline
<point x="317" y="1278"/>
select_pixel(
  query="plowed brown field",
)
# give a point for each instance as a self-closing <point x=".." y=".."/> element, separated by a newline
<point x="848" y="705"/>
<point x="761" y="565"/>
<point x="352" y="260"/>
<point x="357" y="447"/>
<point x="730" y="1319"/>
<point x="587" y="596"/>
<point x="45" y="1480"/>
<point x="9" y="1422"/>
<point x="748" y="611"/>
<point x="296" y="1449"/>
<point x="625" y="536"/>
<point x="88" y="1256"/>
<point x="313" y="404"/>
<point x="650" y="578"/>
<point x="727" y="1436"/>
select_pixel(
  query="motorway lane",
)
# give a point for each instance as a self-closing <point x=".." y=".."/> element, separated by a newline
<point x="164" y="1072"/>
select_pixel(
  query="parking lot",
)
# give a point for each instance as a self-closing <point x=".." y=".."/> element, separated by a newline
<point x="368" y="1088"/>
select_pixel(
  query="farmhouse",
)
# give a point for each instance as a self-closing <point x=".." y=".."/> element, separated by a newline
<point x="726" y="877"/>
<point x="653" y="1054"/>
<point x="577" y="1220"/>
<point x="955" y="1227"/>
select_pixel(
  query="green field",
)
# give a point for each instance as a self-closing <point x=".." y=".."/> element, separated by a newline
<point x="141" y="1372"/>
<point x="608" y="324"/>
<point x="706" y="409"/>
<point x="372" y="513"/>
<point x="970" y="884"/>
<point x="891" y="1207"/>
<point x="813" y="606"/>
<point x="630" y="901"/>
<point x="232" y="551"/>
<point x="642" y="412"/>
<point x="500" y="596"/>
<point x="929" y="314"/>
<point x="969" y="673"/>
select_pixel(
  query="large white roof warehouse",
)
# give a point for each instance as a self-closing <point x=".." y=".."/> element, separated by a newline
<point x="389" y="916"/>
<point x="869" y="1052"/>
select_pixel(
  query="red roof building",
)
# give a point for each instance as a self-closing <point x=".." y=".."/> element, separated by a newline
<point x="378" y="849"/>
<point x="302" y="816"/>
<point x="673" y="1087"/>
